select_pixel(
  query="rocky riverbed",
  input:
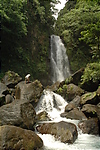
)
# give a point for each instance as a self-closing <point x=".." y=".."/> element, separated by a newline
<point x="18" y="117"/>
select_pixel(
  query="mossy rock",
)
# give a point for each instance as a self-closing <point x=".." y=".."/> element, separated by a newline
<point x="11" y="79"/>
<point x="89" y="98"/>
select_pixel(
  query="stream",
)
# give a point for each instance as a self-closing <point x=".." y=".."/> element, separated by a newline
<point x="54" y="105"/>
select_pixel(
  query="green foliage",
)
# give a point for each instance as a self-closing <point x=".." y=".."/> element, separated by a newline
<point x="91" y="35"/>
<point x="72" y="22"/>
<point x="91" y="73"/>
<point x="26" y="28"/>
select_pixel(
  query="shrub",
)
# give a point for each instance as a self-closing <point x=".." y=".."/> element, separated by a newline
<point x="91" y="73"/>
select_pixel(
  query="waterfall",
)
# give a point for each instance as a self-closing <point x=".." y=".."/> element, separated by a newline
<point x="52" y="103"/>
<point x="59" y="60"/>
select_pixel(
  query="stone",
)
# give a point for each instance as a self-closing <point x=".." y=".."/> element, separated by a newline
<point x="90" y="126"/>
<point x="42" y="116"/>
<point x="15" y="138"/>
<point x="63" y="131"/>
<point x="30" y="92"/>
<point x="73" y="91"/>
<point x="18" y="113"/>
<point x="89" y="98"/>
<point x="74" y="114"/>
<point x="11" y="79"/>
<point x="89" y="110"/>
<point x="69" y="107"/>
<point x="9" y="99"/>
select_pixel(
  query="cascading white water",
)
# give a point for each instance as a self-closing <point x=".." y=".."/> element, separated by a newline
<point x="54" y="105"/>
<point x="59" y="60"/>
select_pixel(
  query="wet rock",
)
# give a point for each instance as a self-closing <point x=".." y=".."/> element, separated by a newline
<point x="15" y="138"/>
<point x="76" y="101"/>
<point x="74" y="114"/>
<point x="90" y="126"/>
<point x="42" y="116"/>
<point x="30" y="92"/>
<point x="73" y="91"/>
<point x="18" y="113"/>
<point x="54" y="86"/>
<point x="90" y="110"/>
<point x="63" y="131"/>
<point x="69" y="107"/>
<point x="89" y="98"/>
<point x="11" y="79"/>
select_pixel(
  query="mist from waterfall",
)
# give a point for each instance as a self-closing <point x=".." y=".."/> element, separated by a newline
<point x="59" y="60"/>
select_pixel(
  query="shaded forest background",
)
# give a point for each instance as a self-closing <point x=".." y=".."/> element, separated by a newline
<point x="26" y="29"/>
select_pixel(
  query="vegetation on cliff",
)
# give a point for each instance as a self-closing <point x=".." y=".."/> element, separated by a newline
<point x="78" y="25"/>
<point x="26" y="28"/>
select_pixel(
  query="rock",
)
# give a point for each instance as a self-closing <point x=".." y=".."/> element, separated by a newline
<point x="89" y="110"/>
<point x="90" y="126"/>
<point x="89" y="98"/>
<point x="11" y="79"/>
<point x="63" y="131"/>
<point x="3" y="91"/>
<point x="9" y="99"/>
<point x="15" y="138"/>
<point x="77" y="76"/>
<point x="74" y="114"/>
<point x="69" y="107"/>
<point x="54" y="86"/>
<point x="2" y="99"/>
<point x="73" y="104"/>
<point x="30" y="92"/>
<point x="18" y="113"/>
<point x="42" y="116"/>
<point x="73" y="91"/>
<point x="76" y="101"/>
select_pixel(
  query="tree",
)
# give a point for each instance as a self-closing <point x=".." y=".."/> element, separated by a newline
<point x="14" y="27"/>
<point x="91" y="35"/>
<point x="72" y="21"/>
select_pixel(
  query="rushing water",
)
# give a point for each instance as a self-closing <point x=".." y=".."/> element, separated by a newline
<point x="59" y="60"/>
<point x="54" y="105"/>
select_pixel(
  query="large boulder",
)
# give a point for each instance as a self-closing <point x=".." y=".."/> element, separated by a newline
<point x="89" y="98"/>
<point x="63" y="131"/>
<point x="11" y="79"/>
<point x="73" y="91"/>
<point x="90" y="126"/>
<point x="9" y="99"/>
<point x="18" y="113"/>
<point x="30" y="92"/>
<point x="90" y="110"/>
<point x="15" y="138"/>
<point x="75" y="103"/>
<point x="74" y="114"/>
